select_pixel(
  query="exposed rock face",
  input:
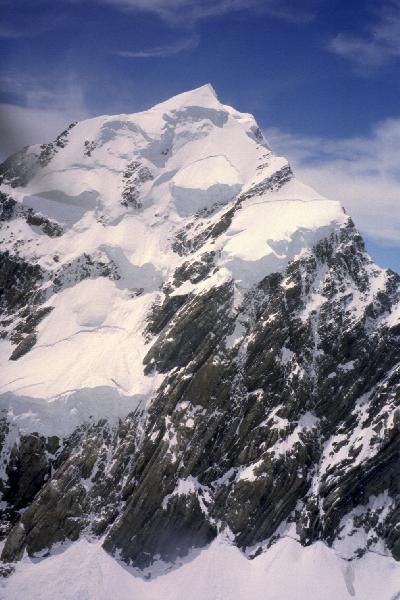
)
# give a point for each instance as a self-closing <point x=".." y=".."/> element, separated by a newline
<point x="134" y="177"/>
<point x="296" y="423"/>
<point x="277" y="405"/>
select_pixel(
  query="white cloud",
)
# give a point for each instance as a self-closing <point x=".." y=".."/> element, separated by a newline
<point x="363" y="173"/>
<point x="184" y="11"/>
<point x="183" y="45"/>
<point x="40" y="113"/>
<point x="380" y="43"/>
<point x="21" y="126"/>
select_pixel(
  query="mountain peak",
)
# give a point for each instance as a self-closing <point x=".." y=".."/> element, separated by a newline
<point x="194" y="347"/>
<point x="204" y="96"/>
<point x="166" y="174"/>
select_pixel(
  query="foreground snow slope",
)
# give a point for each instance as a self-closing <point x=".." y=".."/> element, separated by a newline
<point x="220" y="572"/>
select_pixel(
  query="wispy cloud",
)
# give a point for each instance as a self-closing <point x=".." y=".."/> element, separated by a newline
<point x="23" y="23"/>
<point x="39" y="110"/>
<point x="363" y="173"/>
<point x="184" y="11"/>
<point x="183" y="45"/>
<point x="12" y="32"/>
<point x="380" y="43"/>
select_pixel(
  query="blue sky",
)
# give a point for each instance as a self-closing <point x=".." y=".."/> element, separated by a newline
<point x="321" y="77"/>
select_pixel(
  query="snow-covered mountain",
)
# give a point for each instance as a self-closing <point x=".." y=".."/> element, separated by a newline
<point x="197" y="354"/>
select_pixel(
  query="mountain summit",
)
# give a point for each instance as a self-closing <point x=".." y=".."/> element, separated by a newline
<point x="125" y="202"/>
<point x="197" y="352"/>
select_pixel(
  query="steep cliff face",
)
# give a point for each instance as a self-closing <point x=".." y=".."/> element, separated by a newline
<point x="195" y="345"/>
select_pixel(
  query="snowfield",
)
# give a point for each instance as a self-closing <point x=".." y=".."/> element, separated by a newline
<point x="286" y="571"/>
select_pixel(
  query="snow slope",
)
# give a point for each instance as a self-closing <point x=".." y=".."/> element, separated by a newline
<point x="286" y="571"/>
